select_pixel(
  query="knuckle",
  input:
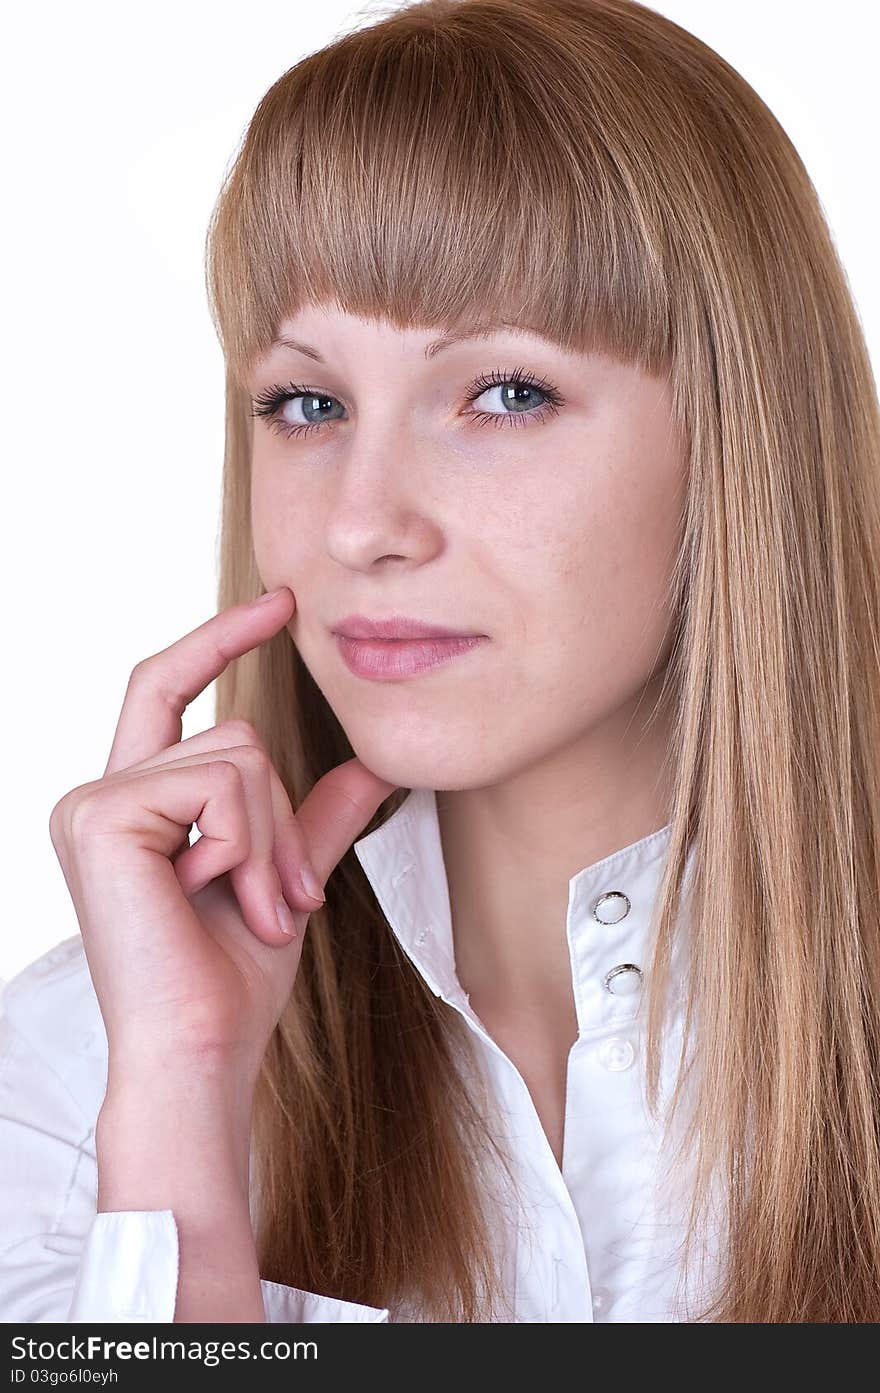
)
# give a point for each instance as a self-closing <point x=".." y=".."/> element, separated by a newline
<point x="152" y="675"/>
<point x="57" y="819"/>
<point x="141" y="671"/>
<point x="253" y="757"/>
<point x="65" y="815"/>
<point x="85" y="811"/>
<point x="228" y="773"/>
<point x="241" y="731"/>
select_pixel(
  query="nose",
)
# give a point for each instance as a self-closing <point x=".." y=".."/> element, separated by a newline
<point x="381" y="508"/>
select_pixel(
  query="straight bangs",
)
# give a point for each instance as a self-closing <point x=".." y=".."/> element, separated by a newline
<point x="412" y="178"/>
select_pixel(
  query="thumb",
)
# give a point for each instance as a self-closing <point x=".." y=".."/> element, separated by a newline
<point x="336" y="811"/>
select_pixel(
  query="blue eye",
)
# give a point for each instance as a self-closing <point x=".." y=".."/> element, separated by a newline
<point x="512" y="384"/>
<point x="270" y="403"/>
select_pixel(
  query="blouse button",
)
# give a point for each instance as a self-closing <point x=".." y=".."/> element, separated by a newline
<point x="600" y="1300"/>
<point x="616" y="1054"/>
<point x="623" y="980"/>
<point x="611" y="908"/>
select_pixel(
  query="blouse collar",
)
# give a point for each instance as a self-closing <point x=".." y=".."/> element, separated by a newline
<point x="403" y="861"/>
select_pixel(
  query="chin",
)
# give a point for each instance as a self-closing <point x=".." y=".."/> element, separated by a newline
<point x="441" y="769"/>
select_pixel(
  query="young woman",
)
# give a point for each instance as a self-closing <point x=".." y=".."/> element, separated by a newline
<point x="535" y="333"/>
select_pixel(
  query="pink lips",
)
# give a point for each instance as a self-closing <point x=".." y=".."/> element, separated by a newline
<point x="395" y="626"/>
<point x="398" y="647"/>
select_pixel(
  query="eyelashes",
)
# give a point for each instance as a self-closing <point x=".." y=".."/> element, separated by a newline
<point x="269" y="403"/>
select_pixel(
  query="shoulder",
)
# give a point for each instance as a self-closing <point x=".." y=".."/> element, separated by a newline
<point x="50" y="1008"/>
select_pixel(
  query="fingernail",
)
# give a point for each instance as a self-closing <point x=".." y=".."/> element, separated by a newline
<point x="269" y="595"/>
<point x="285" y="919"/>
<point x="310" y="882"/>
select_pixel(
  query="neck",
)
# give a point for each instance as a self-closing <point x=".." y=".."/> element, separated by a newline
<point x="511" y="849"/>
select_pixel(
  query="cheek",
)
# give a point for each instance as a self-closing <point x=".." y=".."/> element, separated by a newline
<point x="591" y="568"/>
<point x="261" y="510"/>
<point x="627" y="566"/>
<point x="276" y="525"/>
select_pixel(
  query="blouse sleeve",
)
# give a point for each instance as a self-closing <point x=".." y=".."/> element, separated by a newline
<point x="60" y="1260"/>
<point x="129" y="1267"/>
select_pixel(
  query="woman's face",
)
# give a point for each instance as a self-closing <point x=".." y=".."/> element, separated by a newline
<point x="544" y="517"/>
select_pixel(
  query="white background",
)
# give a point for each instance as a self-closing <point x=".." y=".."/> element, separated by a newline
<point x="119" y="123"/>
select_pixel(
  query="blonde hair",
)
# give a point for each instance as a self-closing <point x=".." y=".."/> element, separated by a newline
<point x="589" y="170"/>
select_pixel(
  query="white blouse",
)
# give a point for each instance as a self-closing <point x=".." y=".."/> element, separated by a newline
<point x="597" y="1240"/>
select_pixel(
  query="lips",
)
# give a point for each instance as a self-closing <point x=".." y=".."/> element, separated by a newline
<point x="396" y="626"/>
<point x="393" y="660"/>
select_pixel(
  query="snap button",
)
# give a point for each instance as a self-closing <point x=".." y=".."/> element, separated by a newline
<point x="612" y="907"/>
<point x="616" y="1054"/>
<point x="623" y="980"/>
<point x="601" y="1299"/>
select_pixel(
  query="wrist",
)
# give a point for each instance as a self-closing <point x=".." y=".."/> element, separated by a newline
<point x="211" y="1081"/>
<point x="153" y="1127"/>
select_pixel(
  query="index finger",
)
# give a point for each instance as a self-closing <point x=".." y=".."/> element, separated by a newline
<point x="162" y="686"/>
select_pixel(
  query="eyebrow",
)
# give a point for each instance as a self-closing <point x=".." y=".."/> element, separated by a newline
<point x="436" y="346"/>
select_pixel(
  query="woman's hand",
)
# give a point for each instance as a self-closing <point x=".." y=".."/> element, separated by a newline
<point x="185" y="944"/>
